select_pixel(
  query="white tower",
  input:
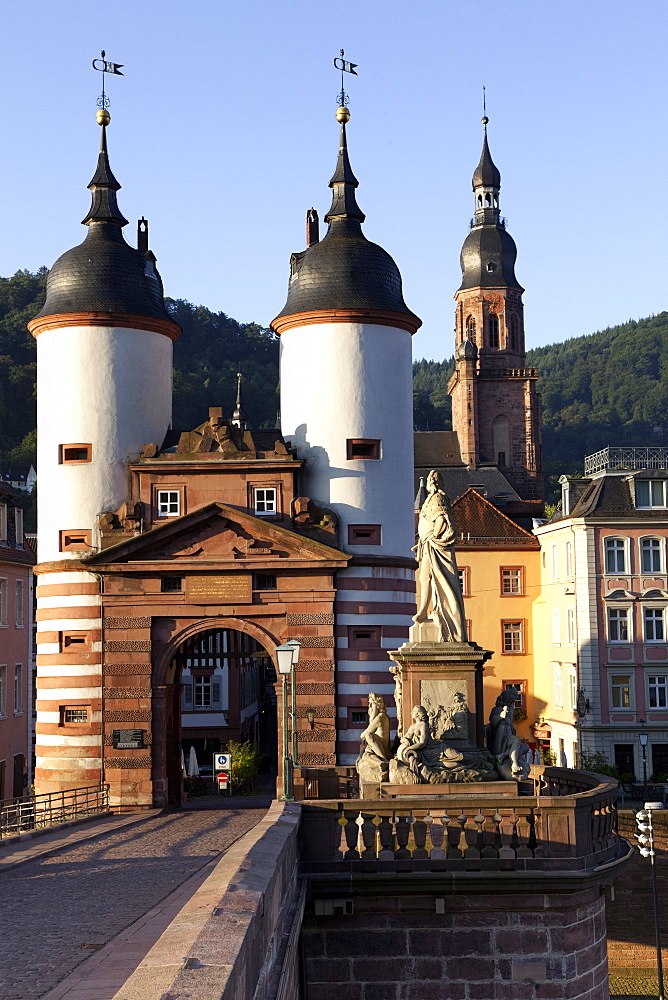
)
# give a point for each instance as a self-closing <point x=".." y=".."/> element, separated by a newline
<point x="346" y="406"/>
<point x="104" y="387"/>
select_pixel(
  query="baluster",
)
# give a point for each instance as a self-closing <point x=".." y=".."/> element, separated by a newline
<point x="532" y="842"/>
<point x="479" y="820"/>
<point x="451" y="838"/>
<point x="496" y="845"/>
<point x="420" y="830"/>
<point x="463" y="843"/>
<point x="523" y="830"/>
<point x="351" y="831"/>
<point x="341" y="822"/>
<point x="386" y="837"/>
<point x="402" y="828"/>
<point x="439" y="836"/>
<point x="368" y="831"/>
<point x="514" y="838"/>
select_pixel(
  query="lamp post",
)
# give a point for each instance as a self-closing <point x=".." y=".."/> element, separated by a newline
<point x="642" y="737"/>
<point x="645" y="838"/>
<point x="287" y="655"/>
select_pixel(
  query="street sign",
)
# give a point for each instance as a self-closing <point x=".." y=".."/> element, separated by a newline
<point x="221" y="761"/>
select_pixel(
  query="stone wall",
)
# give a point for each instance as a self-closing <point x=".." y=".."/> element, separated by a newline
<point x="236" y="938"/>
<point x="510" y="946"/>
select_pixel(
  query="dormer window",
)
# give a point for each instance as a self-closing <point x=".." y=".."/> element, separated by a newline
<point x="650" y="492"/>
<point x="491" y="266"/>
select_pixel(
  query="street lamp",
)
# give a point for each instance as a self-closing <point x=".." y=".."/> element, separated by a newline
<point x="642" y="737"/>
<point x="287" y="656"/>
<point x="645" y="837"/>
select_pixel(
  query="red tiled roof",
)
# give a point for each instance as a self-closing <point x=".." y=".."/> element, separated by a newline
<point x="480" y="524"/>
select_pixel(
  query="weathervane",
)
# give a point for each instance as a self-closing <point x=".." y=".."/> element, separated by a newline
<point x="102" y="66"/>
<point x="345" y="67"/>
<point x="485" y="119"/>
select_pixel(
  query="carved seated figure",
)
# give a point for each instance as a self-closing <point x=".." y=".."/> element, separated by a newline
<point x="372" y="763"/>
<point x="432" y="761"/>
<point x="513" y="757"/>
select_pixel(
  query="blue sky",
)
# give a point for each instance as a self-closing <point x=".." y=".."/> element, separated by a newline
<point x="223" y="134"/>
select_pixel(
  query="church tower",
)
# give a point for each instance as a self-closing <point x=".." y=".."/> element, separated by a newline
<point x="104" y="362"/>
<point x="495" y="406"/>
<point x="346" y="407"/>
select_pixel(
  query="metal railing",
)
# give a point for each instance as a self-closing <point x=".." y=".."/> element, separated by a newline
<point x="626" y="458"/>
<point x="38" y="811"/>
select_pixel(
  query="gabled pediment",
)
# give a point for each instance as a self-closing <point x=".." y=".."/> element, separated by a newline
<point x="217" y="532"/>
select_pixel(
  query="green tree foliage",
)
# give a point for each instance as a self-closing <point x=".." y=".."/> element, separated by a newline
<point x="432" y="409"/>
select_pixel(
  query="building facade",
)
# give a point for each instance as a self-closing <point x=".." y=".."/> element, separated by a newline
<point x="602" y="619"/>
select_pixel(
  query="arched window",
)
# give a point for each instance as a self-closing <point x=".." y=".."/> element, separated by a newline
<point x="470" y="328"/>
<point x="650" y="555"/>
<point x="514" y="333"/>
<point x="615" y="555"/>
<point x="501" y="441"/>
<point x="479" y="201"/>
<point x="488" y="200"/>
<point x="493" y="330"/>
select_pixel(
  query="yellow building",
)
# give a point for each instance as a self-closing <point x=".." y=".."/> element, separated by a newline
<point x="499" y="566"/>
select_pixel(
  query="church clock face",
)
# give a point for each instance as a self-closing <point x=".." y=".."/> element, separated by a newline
<point x="494" y="302"/>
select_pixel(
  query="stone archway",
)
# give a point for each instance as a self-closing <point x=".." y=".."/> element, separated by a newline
<point x="213" y="682"/>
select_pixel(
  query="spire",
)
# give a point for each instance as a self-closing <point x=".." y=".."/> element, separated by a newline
<point x="420" y="496"/>
<point x="237" y="419"/>
<point x="486" y="174"/>
<point x="344" y="182"/>
<point x="104" y="207"/>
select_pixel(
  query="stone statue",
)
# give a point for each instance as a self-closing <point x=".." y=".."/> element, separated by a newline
<point x="511" y="754"/>
<point x="372" y="763"/>
<point x="421" y="759"/>
<point x="439" y="593"/>
<point x="395" y="670"/>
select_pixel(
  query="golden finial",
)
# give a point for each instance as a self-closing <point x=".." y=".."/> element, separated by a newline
<point x="102" y="117"/>
<point x="342" y="114"/>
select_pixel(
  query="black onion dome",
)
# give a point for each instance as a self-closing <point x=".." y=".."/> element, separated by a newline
<point x="344" y="270"/>
<point x="488" y="245"/>
<point x="486" y="174"/>
<point x="105" y="274"/>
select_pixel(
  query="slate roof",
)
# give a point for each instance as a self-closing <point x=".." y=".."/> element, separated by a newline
<point x="480" y="525"/>
<point x="434" y="449"/>
<point x="488" y="244"/>
<point x="105" y="274"/>
<point x="610" y="496"/>
<point x="486" y="174"/>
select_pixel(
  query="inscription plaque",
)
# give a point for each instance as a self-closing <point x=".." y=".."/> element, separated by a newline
<point x="128" y="739"/>
<point x="233" y="588"/>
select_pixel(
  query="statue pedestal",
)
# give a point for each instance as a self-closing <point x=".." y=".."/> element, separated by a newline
<point x="444" y="677"/>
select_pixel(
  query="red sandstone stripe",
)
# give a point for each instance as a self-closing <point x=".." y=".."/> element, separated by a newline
<point x="389" y="631"/>
<point x="55" y="729"/>
<point x="348" y="746"/>
<point x="68" y="751"/>
<point x="353" y="701"/>
<point x="66" y="681"/>
<point x="372" y="583"/>
<point x="371" y="677"/>
<point x="67" y="589"/>
<point x="54" y="779"/>
<point x="358" y="655"/>
<point x="51" y="614"/>
<point x="65" y="659"/>
<point x="94" y="635"/>
<point x="374" y="608"/>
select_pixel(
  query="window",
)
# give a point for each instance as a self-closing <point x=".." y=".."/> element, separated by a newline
<point x="171" y="584"/>
<point x="3" y="602"/>
<point x="358" y="718"/>
<point x="618" y="625"/>
<point x="520" y="687"/>
<point x="75" y="454"/>
<point x="168" y="503"/>
<point x="358" y="448"/>
<point x="572" y="691"/>
<point x="493" y="331"/>
<point x="18" y="689"/>
<point x="654" y="627"/>
<point x="363" y="534"/>
<point x="650" y="492"/>
<point x="615" y="557"/>
<point x="264" y="581"/>
<point x="514" y="338"/>
<point x="74" y="642"/>
<point x="570" y="625"/>
<point x="206" y="692"/>
<point x="264" y="501"/>
<point x="470" y="328"/>
<point x="657" y="691"/>
<point x="3" y="522"/>
<point x="76" y="539"/>
<point x="465" y="581"/>
<point x="19" y="604"/>
<point x="558" y="689"/>
<point x="620" y="690"/>
<point x="556" y="626"/>
<point x="511" y="580"/>
<point x="568" y="551"/>
<point x="555" y="562"/>
<point x="18" y="526"/>
<point x="73" y="715"/>
<point x="512" y="635"/>
<point x="3" y="691"/>
<point x="363" y="636"/>
<point x="650" y="555"/>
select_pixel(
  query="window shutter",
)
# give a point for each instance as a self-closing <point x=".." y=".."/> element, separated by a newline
<point x="188" y="695"/>
<point x="215" y="694"/>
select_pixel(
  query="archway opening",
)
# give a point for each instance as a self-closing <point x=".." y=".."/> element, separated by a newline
<point x="220" y="688"/>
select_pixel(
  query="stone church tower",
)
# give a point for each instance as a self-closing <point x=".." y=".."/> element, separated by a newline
<point x="495" y="406"/>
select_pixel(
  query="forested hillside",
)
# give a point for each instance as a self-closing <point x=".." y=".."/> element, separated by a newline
<point x="610" y="387"/>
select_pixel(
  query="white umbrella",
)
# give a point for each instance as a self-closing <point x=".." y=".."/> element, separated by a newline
<point x="563" y="759"/>
<point x="193" y="766"/>
<point x="183" y="764"/>
<point x="536" y="756"/>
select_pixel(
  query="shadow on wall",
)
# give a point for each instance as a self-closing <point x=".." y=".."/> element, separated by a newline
<point x="316" y="453"/>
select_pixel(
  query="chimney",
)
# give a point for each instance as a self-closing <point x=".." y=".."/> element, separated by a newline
<point x="142" y="235"/>
<point x="312" y="227"/>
